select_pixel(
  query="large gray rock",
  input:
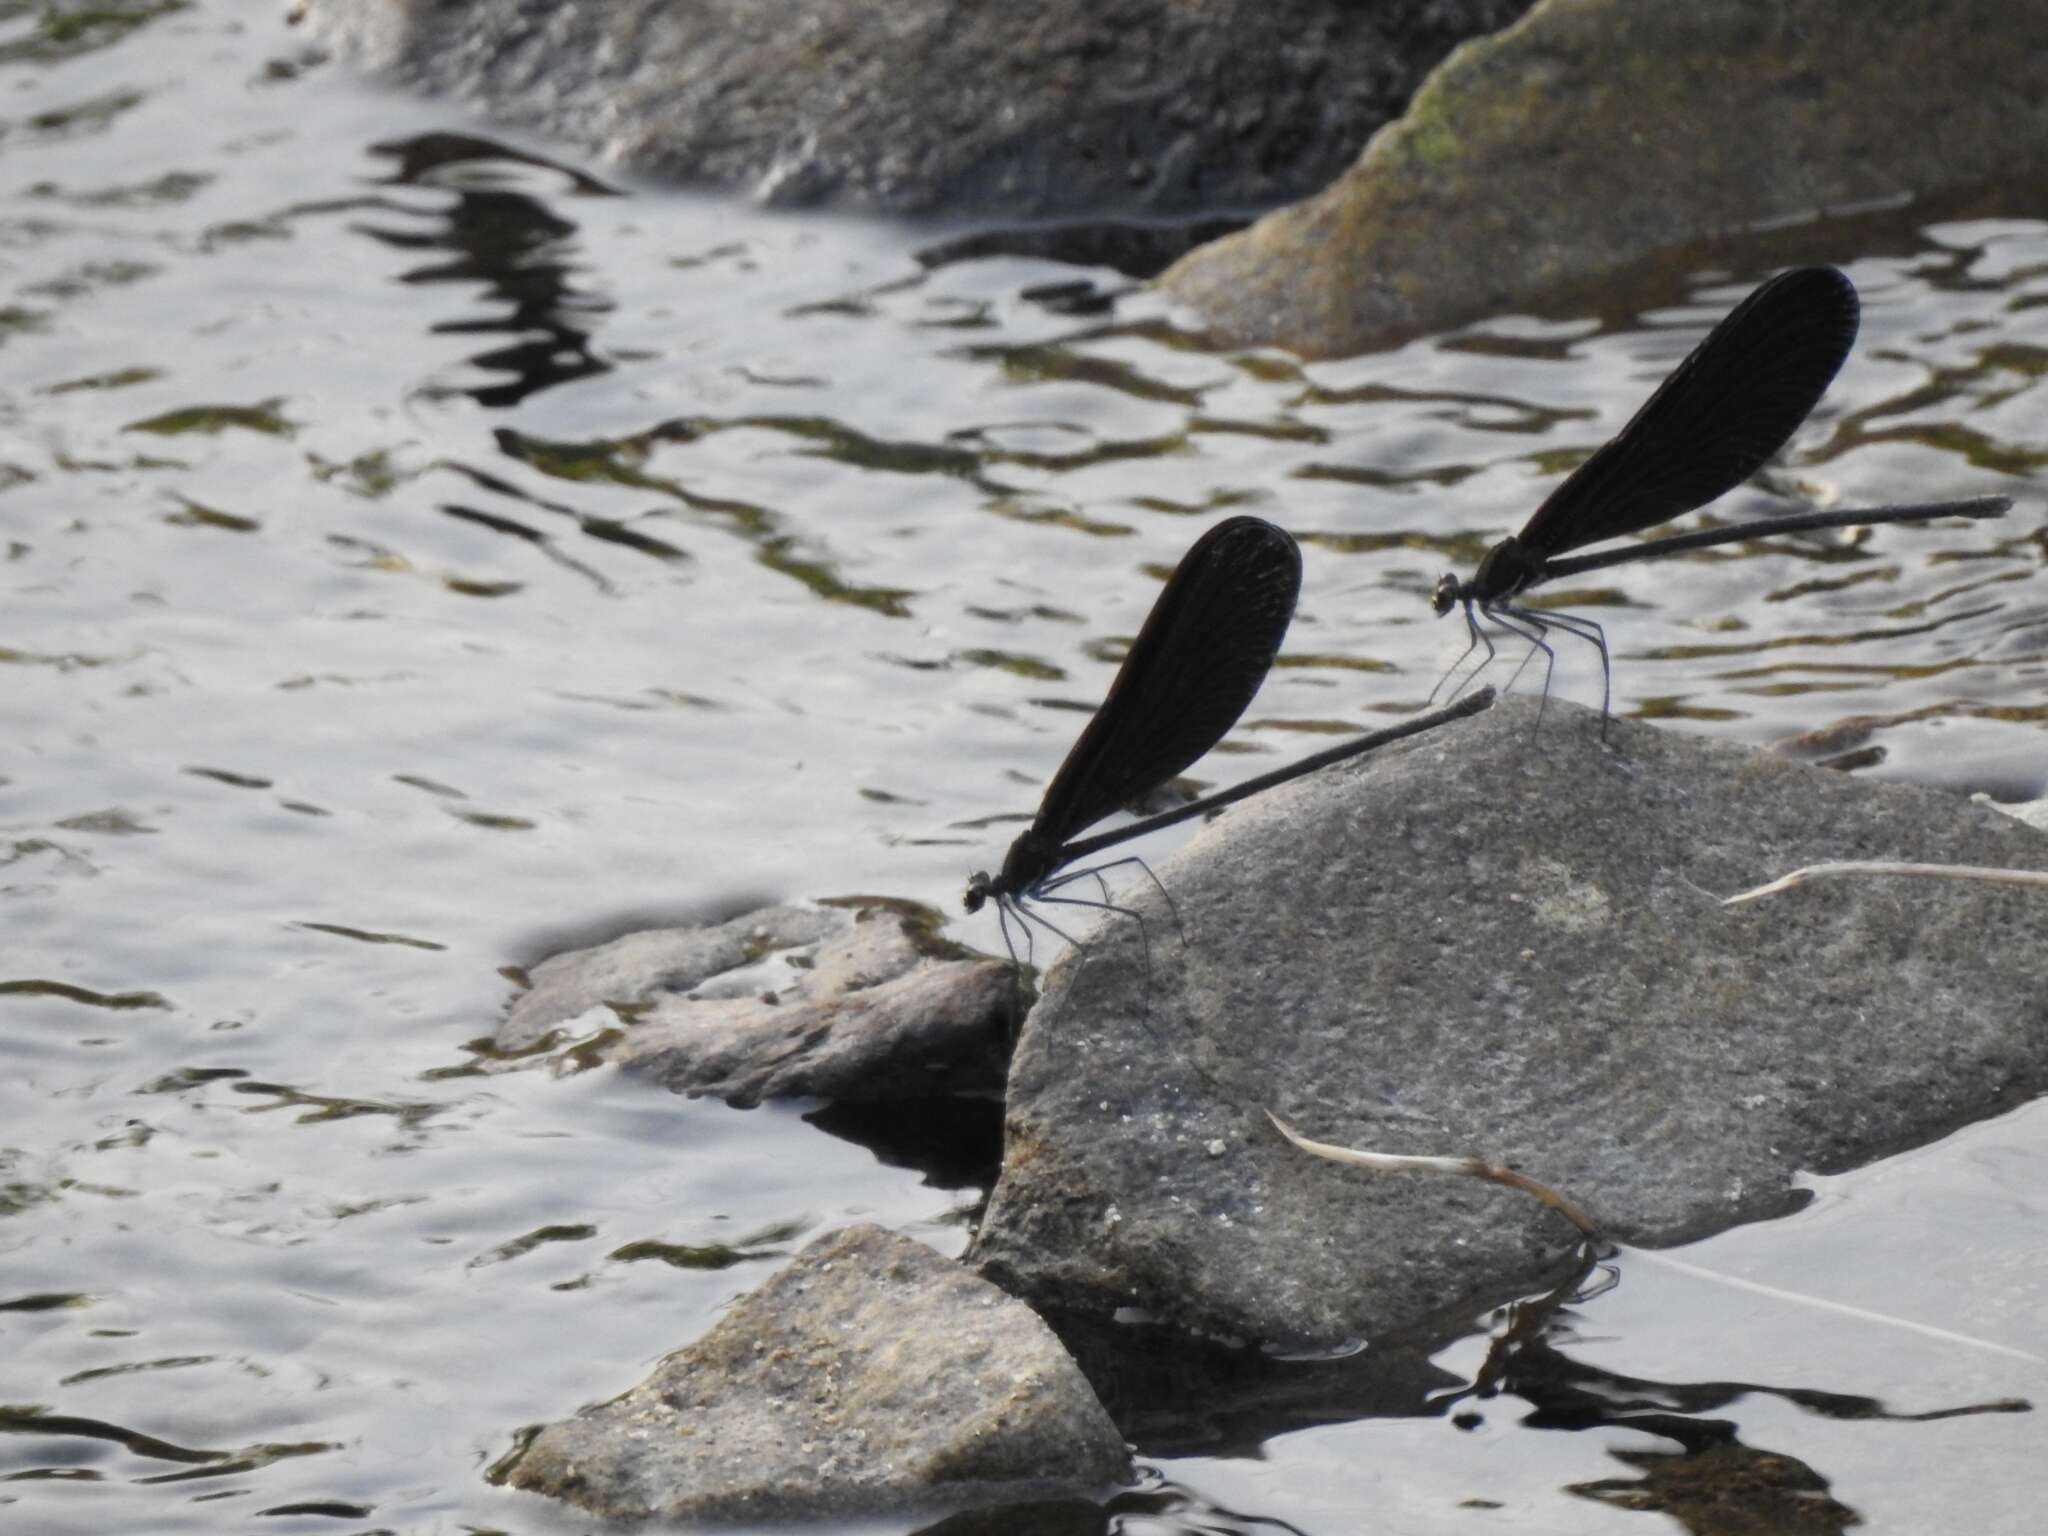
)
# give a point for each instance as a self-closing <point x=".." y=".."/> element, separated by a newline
<point x="1504" y="942"/>
<point x="918" y="105"/>
<point x="858" y="1001"/>
<point x="1595" y="135"/>
<point x="870" y="1375"/>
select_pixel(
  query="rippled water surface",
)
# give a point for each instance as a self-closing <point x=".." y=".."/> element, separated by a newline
<point x="413" y="564"/>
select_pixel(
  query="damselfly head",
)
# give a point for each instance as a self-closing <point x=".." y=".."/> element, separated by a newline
<point x="1446" y="596"/>
<point x="979" y="888"/>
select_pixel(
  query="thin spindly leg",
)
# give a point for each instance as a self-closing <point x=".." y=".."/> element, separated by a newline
<point x="1042" y="893"/>
<point x="1027" y="917"/>
<point x="1478" y="639"/>
<point x="1507" y="618"/>
<point x="1016" y="966"/>
<point x="1005" y="910"/>
<point x="1584" y="629"/>
<point x="1536" y="628"/>
<point x="1045" y="888"/>
<point x="1145" y="1011"/>
<point x="1144" y="947"/>
<point x="1594" y="635"/>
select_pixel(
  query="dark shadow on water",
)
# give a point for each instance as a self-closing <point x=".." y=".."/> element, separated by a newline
<point x="956" y="1143"/>
<point x="1711" y="1482"/>
<point x="424" y="154"/>
<point x="1136" y="248"/>
<point x="1173" y="1397"/>
<point x="1158" y="1507"/>
<point x="1050" y="1517"/>
<point x="508" y="243"/>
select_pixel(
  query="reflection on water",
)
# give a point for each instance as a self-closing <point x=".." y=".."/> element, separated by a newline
<point x="1711" y="1483"/>
<point x="419" y="553"/>
<point x="511" y="246"/>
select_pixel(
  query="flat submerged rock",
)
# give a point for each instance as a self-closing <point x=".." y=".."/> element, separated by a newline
<point x="1507" y="942"/>
<point x="855" y="1000"/>
<point x="870" y="1375"/>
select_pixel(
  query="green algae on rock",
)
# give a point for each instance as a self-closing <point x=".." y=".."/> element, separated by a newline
<point x="1595" y="134"/>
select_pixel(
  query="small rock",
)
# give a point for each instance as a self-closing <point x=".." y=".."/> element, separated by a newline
<point x="641" y="968"/>
<point x="871" y="1375"/>
<point x="865" y="1006"/>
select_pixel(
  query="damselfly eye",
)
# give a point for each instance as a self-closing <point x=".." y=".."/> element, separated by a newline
<point x="1446" y="597"/>
<point x="977" y="891"/>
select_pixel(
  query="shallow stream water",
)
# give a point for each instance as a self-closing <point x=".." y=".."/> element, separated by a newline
<point x="413" y="564"/>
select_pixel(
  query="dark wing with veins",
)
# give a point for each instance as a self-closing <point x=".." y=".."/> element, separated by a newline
<point x="1204" y="649"/>
<point x="1715" y="421"/>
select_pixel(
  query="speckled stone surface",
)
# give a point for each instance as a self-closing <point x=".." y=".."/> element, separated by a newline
<point x="870" y="1375"/>
<point x="1012" y="111"/>
<point x="1506" y="942"/>
<point x="854" y="1002"/>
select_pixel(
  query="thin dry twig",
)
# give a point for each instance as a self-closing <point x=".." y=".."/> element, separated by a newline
<point x="1926" y="871"/>
<point x="1468" y="1167"/>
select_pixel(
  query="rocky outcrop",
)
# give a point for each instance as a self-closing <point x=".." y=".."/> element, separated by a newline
<point x="918" y="106"/>
<point x="1596" y="136"/>
<point x="857" y="1001"/>
<point x="1504" y="941"/>
<point x="871" y="1375"/>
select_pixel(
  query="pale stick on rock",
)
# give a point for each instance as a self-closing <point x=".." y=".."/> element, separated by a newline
<point x="1467" y="1167"/>
<point x="1392" y="1162"/>
<point x="1989" y="874"/>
